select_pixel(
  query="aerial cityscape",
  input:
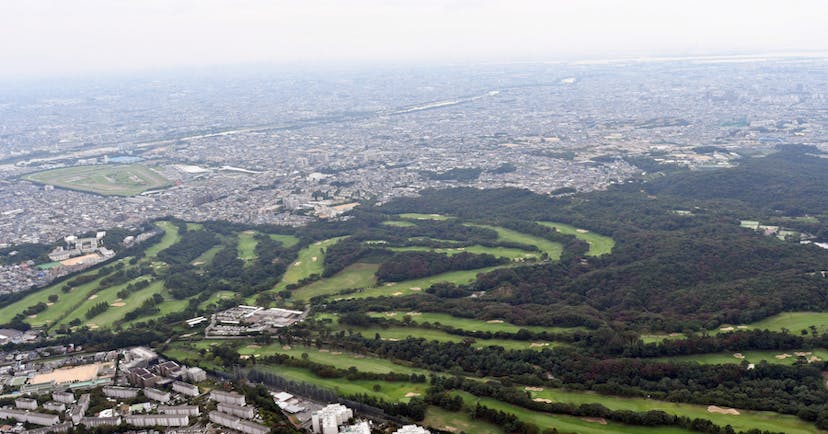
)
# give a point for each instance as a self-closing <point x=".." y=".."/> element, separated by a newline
<point x="430" y="217"/>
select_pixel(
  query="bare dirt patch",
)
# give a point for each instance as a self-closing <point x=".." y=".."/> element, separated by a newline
<point x="722" y="410"/>
<point x="69" y="375"/>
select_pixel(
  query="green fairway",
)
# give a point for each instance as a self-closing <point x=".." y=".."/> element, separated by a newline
<point x="207" y="257"/>
<point x="746" y="420"/>
<point x="170" y="237"/>
<point x="107" y="180"/>
<point x="215" y="297"/>
<point x="566" y="423"/>
<point x="493" y="326"/>
<point x="54" y="312"/>
<point x="795" y="322"/>
<point x="460" y="421"/>
<point x="247" y="246"/>
<point x="287" y="241"/>
<point x="784" y="357"/>
<point x="398" y="223"/>
<point x="598" y="244"/>
<point x="357" y="275"/>
<point x="649" y="339"/>
<point x="416" y="285"/>
<point x="419" y="216"/>
<point x="117" y="307"/>
<point x="338" y="359"/>
<point x="309" y="261"/>
<point x="551" y="248"/>
<point x="400" y="333"/>
<point x="500" y="252"/>
<point x="168" y="306"/>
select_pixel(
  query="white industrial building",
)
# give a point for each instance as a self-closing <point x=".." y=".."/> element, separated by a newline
<point x="328" y="419"/>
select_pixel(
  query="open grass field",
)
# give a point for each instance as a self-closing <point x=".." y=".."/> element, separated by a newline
<point x="551" y="248"/>
<point x="750" y="356"/>
<point x="795" y="322"/>
<point x="309" y="261"/>
<point x="398" y="223"/>
<point x="746" y="420"/>
<point x="469" y="324"/>
<point x="405" y="287"/>
<point x="400" y="333"/>
<point x="107" y="180"/>
<point x="247" y="246"/>
<point x="598" y="244"/>
<point x="287" y="241"/>
<point x="117" y="307"/>
<point x="501" y="252"/>
<point x="445" y="420"/>
<point x="170" y="237"/>
<point x="419" y="216"/>
<point x="565" y="423"/>
<point x="359" y="275"/>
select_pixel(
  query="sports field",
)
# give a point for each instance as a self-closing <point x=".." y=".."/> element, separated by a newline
<point x="598" y="244"/>
<point x="107" y="180"/>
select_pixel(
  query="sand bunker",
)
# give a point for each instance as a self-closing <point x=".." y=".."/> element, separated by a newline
<point x="544" y="400"/>
<point x="742" y="327"/>
<point x="49" y="304"/>
<point x="813" y="359"/>
<point x="313" y="259"/>
<point x="598" y="420"/>
<point x="118" y="304"/>
<point x="397" y="293"/>
<point x="727" y="329"/>
<point x="533" y="389"/>
<point x="297" y="263"/>
<point x="32" y="316"/>
<point x="582" y="231"/>
<point x="802" y="353"/>
<point x="538" y="344"/>
<point x="336" y="353"/>
<point x="739" y="356"/>
<point x="285" y="347"/>
<point x="414" y="313"/>
<point x="495" y="321"/>
<point x="254" y="346"/>
<point x="324" y="350"/>
<point x="782" y="356"/>
<point x="416" y="288"/>
<point x="391" y="339"/>
<point x="722" y="410"/>
<point x="318" y="243"/>
<point x="411" y="394"/>
<point x="93" y="296"/>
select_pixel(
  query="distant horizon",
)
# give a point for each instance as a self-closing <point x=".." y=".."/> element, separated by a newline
<point x="70" y="38"/>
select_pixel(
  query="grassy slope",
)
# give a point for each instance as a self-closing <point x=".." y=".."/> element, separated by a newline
<point x="746" y="420"/>
<point x="287" y="241"/>
<point x="750" y="356"/>
<point x="598" y="244"/>
<point x="358" y="275"/>
<point x="304" y="265"/>
<point x="794" y="321"/>
<point x="565" y="423"/>
<point x="247" y="246"/>
<point x="469" y="324"/>
<point x="445" y="420"/>
<point x="550" y="247"/>
<point x="501" y="252"/>
<point x="109" y="296"/>
<point x="404" y="287"/>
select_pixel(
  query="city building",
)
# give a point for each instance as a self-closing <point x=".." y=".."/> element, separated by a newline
<point x="29" y="417"/>
<point x="64" y="397"/>
<point x="358" y="428"/>
<point x="156" y="395"/>
<point x="54" y="406"/>
<point x="79" y="410"/>
<point x="185" y="388"/>
<point x="328" y="419"/>
<point x="227" y="397"/>
<point x="158" y="420"/>
<point x="59" y="428"/>
<point x="412" y="429"/>
<point x="195" y="375"/>
<point x="189" y="410"/>
<point x="121" y="392"/>
<point x="237" y="424"/>
<point x="143" y="377"/>
<point x="26" y="403"/>
<point x="92" y="422"/>
<point x="245" y="412"/>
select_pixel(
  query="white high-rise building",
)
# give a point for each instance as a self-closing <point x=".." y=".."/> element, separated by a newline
<point x="328" y="420"/>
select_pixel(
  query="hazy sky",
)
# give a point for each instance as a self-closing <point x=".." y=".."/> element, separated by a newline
<point x="55" y="37"/>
